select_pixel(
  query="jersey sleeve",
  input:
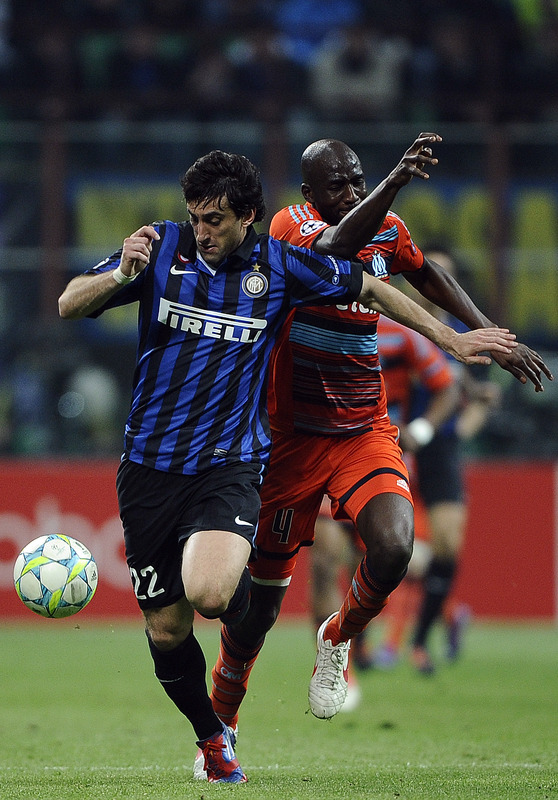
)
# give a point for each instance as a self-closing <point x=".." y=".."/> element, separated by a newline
<point x="407" y="257"/>
<point x="127" y="294"/>
<point x="131" y="292"/>
<point x="297" y="224"/>
<point x="314" y="279"/>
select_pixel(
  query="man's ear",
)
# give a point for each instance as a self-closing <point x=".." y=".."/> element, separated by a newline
<point x="307" y="193"/>
<point x="249" y="217"/>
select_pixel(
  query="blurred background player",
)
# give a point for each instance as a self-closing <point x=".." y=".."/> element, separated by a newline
<point x="437" y="479"/>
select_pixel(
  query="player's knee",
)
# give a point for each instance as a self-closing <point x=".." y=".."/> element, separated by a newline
<point x="211" y="606"/>
<point x="168" y="626"/>
<point x="166" y="639"/>
<point x="402" y="543"/>
<point x="391" y="555"/>
<point x="264" y="617"/>
<point x="209" y="601"/>
<point x="265" y="606"/>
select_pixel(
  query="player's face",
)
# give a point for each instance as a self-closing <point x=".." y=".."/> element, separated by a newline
<point x="217" y="229"/>
<point x="337" y="187"/>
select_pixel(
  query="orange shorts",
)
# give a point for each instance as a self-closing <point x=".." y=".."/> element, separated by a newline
<point x="350" y="470"/>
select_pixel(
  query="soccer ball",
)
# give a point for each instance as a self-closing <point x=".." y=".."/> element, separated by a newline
<point x="55" y="575"/>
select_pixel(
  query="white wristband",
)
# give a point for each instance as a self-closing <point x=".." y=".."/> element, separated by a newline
<point x="421" y="430"/>
<point x="122" y="279"/>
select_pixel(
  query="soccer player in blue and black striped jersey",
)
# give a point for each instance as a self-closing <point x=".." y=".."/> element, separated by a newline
<point x="212" y="295"/>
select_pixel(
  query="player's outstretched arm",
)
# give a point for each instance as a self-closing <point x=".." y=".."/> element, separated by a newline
<point x="464" y="347"/>
<point x="359" y="226"/>
<point x="442" y="289"/>
<point x="525" y="365"/>
<point x="86" y="293"/>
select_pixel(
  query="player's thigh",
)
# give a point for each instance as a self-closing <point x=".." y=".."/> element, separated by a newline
<point x="439" y="471"/>
<point x="330" y="540"/>
<point x="368" y="466"/>
<point x="447" y="526"/>
<point x="149" y="502"/>
<point x="212" y="564"/>
<point x="441" y="484"/>
<point x="291" y="497"/>
<point x="387" y="521"/>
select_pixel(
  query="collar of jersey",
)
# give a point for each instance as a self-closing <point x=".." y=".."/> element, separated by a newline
<point x="237" y="258"/>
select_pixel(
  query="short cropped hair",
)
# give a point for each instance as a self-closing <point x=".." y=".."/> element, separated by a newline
<point x="229" y="175"/>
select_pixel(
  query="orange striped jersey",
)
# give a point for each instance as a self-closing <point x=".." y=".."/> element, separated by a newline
<point x="325" y="375"/>
<point x="407" y="357"/>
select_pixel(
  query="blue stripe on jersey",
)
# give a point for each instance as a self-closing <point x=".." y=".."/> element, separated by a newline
<point x="391" y="341"/>
<point x="153" y="374"/>
<point x="333" y="341"/>
<point x="385" y="236"/>
<point x="299" y="213"/>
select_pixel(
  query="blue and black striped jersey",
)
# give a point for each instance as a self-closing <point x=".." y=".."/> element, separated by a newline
<point x="205" y="337"/>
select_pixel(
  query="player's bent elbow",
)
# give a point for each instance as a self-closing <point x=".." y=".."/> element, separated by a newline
<point x="330" y="243"/>
<point x="66" y="310"/>
<point x="368" y="299"/>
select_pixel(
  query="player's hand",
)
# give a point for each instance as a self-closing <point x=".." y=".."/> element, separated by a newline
<point x="416" y="158"/>
<point x="525" y="365"/>
<point x="468" y="346"/>
<point x="136" y="250"/>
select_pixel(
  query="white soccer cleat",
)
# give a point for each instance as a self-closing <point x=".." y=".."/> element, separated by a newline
<point x="329" y="684"/>
<point x="199" y="766"/>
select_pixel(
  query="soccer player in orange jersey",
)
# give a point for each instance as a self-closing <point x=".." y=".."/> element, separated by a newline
<point x="331" y="431"/>
<point x="408" y="361"/>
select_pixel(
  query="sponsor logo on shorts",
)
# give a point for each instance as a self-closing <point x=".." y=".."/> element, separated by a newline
<point x="403" y="484"/>
<point x="239" y="521"/>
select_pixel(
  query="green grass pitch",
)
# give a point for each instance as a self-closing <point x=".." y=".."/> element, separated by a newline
<point x="83" y="718"/>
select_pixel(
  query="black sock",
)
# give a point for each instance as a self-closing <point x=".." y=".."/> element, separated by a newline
<point x="437" y="585"/>
<point x="182" y="674"/>
<point x="239" y="602"/>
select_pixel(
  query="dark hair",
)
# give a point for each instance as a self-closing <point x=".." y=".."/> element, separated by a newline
<point x="229" y="175"/>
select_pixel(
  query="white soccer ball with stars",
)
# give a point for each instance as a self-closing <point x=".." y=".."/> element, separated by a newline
<point x="55" y="575"/>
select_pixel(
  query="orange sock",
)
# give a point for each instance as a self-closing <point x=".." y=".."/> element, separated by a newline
<point x="364" y="601"/>
<point x="230" y="677"/>
<point x="403" y="607"/>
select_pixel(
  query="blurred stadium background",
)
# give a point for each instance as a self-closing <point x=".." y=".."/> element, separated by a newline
<point x="104" y="103"/>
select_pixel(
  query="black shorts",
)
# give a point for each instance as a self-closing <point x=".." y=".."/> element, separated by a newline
<point x="160" y="510"/>
<point x="439" y="470"/>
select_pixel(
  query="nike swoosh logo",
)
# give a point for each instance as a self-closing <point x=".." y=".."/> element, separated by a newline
<point x="242" y="521"/>
<point x="176" y="270"/>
